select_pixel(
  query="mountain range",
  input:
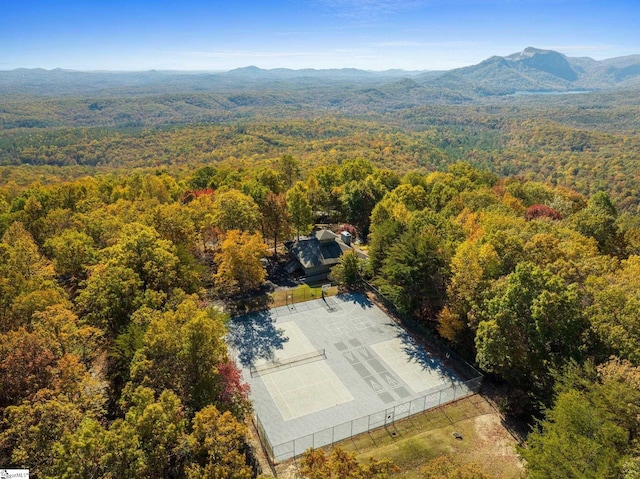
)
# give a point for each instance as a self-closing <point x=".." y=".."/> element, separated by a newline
<point x="535" y="70"/>
<point x="532" y="70"/>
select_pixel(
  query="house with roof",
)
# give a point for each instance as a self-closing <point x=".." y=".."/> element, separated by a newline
<point x="314" y="256"/>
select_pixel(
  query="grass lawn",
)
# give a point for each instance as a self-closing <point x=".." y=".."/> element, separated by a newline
<point x="413" y="442"/>
<point x="299" y="294"/>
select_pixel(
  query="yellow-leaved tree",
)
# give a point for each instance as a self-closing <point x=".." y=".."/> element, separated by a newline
<point x="238" y="262"/>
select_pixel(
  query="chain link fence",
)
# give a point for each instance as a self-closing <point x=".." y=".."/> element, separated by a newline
<point x="442" y="395"/>
<point x="427" y="338"/>
<point x="281" y="297"/>
<point x="300" y="294"/>
<point x="364" y="424"/>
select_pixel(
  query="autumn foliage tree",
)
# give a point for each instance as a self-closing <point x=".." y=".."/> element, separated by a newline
<point x="216" y="443"/>
<point x="340" y="464"/>
<point x="111" y="365"/>
<point x="233" y="210"/>
<point x="443" y="467"/>
<point x="181" y="351"/>
<point x="542" y="211"/>
<point x="238" y="262"/>
<point x="276" y="221"/>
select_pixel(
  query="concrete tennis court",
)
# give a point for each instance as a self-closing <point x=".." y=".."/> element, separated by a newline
<point x="316" y="365"/>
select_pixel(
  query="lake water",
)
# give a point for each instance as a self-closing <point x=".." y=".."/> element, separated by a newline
<point x="569" y="92"/>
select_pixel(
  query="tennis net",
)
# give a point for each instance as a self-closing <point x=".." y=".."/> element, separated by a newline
<point x="287" y="363"/>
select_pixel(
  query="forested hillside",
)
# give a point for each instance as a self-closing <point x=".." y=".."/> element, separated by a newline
<point x="114" y="363"/>
<point x="507" y="225"/>
<point x="539" y="147"/>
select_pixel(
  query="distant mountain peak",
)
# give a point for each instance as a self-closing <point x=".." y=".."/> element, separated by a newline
<point x="548" y="61"/>
<point x="250" y="68"/>
<point x="531" y="52"/>
<point x="534" y="50"/>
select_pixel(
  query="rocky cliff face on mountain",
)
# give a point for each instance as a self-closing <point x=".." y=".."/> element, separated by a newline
<point x="548" y="61"/>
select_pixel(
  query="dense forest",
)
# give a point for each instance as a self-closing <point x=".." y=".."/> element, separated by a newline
<point x="576" y="144"/>
<point x="508" y="227"/>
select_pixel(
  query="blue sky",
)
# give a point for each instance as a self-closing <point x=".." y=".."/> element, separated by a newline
<point x="367" y="34"/>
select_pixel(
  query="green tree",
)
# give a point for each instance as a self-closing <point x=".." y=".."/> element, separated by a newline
<point x="202" y="177"/>
<point x="631" y="468"/>
<point x="33" y="427"/>
<point x="256" y="190"/>
<point x="593" y="422"/>
<point x="299" y="209"/>
<point x="598" y="220"/>
<point x="150" y="441"/>
<point x="181" y="352"/>
<point x="27" y="282"/>
<point x="160" y="426"/>
<point x="382" y="237"/>
<point x="272" y="180"/>
<point x="353" y="170"/>
<point x="614" y="309"/>
<point x="153" y="259"/>
<point x="289" y="169"/>
<point x="413" y="274"/>
<point x="358" y="200"/>
<point x="319" y="198"/>
<point x="123" y="455"/>
<point x="72" y="253"/>
<point x="80" y="454"/>
<point x="173" y="222"/>
<point x="233" y="210"/>
<point x="347" y="272"/>
<point x="473" y="267"/>
<point x="531" y="327"/>
<point x="111" y="294"/>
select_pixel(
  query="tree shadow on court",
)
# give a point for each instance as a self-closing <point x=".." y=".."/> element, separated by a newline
<point x="357" y="298"/>
<point x="426" y="359"/>
<point x="255" y="337"/>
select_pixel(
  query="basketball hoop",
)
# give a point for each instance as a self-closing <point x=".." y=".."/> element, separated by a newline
<point x="325" y="289"/>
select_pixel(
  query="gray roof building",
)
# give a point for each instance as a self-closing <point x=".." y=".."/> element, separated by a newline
<point x="316" y="254"/>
